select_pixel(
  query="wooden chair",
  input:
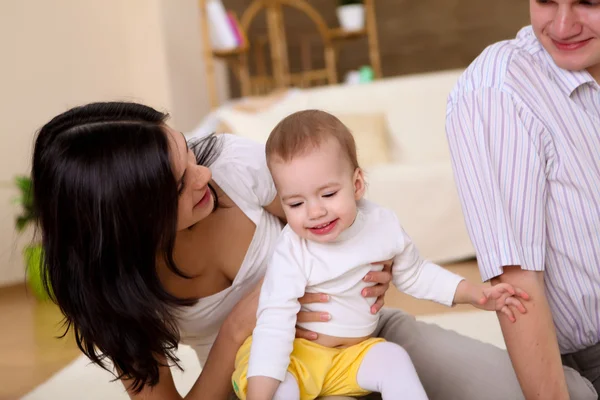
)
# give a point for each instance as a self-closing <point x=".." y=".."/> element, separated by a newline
<point x="263" y="83"/>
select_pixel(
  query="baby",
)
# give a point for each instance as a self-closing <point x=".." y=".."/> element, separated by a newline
<point x="332" y="239"/>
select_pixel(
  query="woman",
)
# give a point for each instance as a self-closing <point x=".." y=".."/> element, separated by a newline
<point x="148" y="243"/>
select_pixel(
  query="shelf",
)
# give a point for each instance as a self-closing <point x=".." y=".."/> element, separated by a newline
<point x="280" y="77"/>
<point x="342" y="34"/>
<point x="230" y="53"/>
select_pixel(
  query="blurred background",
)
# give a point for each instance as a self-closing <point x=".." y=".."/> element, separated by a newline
<point x="219" y="65"/>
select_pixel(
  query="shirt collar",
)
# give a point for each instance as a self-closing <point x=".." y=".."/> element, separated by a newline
<point x="354" y="229"/>
<point x="568" y="81"/>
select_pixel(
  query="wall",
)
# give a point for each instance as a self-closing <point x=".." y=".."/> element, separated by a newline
<point x="59" y="54"/>
<point x="185" y="63"/>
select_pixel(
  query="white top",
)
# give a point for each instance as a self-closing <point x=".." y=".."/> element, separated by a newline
<point x="525" y="144"/>
<point x="241" y="171"/>
<point x="337" y="269"/>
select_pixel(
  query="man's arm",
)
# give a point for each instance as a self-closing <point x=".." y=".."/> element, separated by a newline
<point x="498" y="150"/>
<point x="531" y="340"/>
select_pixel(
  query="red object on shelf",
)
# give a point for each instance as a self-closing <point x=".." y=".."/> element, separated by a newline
<point x="233" y="23"/>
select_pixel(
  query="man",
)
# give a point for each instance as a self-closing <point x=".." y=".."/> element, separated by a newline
<point x="523" y="125"/>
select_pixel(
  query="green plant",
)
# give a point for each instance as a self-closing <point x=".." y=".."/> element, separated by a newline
<point x="25" y="200"/>
<point x="348" y="2"/>
<point x="33" y="254"/>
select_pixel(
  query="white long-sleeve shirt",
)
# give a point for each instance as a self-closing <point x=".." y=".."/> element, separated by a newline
<point x="337" y="269"/>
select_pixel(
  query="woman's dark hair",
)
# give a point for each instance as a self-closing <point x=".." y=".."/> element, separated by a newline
<point x="106" y="200"/>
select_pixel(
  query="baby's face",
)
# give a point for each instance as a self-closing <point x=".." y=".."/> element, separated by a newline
<point x="319" y="191"/>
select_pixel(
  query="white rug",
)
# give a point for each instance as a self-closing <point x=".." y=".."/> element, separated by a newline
<point x="81" y="380"/>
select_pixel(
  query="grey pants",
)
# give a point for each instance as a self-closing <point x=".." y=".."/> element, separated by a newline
<point x="587" y="363"/>
<point x="455" y="367"/>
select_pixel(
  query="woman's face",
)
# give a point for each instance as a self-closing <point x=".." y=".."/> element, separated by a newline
<point x="195" y="198"/>
<point x="570" y="31"/>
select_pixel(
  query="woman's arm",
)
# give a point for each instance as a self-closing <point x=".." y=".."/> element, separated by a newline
<point x="215" y="380"/>
<point x="213" y="383"/>
<point x="276" y="209"/>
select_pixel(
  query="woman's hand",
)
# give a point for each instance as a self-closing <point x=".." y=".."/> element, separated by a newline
<point x="382" y="284"/>
<point x="242" y="319"/>
<point x="306" y="316"/>
<point x="382" y="279"/>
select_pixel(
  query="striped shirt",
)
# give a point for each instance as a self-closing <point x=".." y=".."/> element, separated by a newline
<point x="525" y="142"/>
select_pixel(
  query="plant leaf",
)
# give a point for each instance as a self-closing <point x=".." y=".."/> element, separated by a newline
<point x="25" y="200"/>
<point x="21" y="223"/>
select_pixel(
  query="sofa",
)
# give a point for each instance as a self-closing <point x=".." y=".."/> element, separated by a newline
<point x="398" y="124"/>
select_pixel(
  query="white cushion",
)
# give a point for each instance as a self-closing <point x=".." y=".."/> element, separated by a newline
<point x="415" y="106"/>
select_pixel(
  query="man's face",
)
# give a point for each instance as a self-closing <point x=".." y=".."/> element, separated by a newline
<point x="569" y="30"/>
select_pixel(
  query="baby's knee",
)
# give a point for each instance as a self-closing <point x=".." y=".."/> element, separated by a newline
<point x="393" y="351"/>
<point x="388" y="357"/>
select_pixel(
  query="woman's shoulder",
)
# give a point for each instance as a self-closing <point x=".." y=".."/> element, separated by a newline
<point x="225" y="148"/>
<point x="239" y="150"/>
<point x="233" y="156"/>
<point x="235" y="141"/>
<point x="240" y="169"/>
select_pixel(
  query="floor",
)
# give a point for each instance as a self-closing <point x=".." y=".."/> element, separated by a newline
<point x="30" y="352"/>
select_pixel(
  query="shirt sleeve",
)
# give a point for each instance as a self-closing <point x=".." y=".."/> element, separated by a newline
<point x="241" y="171"/>
<point x="498" y="151"/>
<point x="421" y="278"/>
<point x="273" y="336"/>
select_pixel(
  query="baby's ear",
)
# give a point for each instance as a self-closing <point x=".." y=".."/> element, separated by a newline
<point x="359" y="184"/>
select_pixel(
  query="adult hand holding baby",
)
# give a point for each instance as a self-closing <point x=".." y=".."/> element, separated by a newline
<point x="382" y="281"/>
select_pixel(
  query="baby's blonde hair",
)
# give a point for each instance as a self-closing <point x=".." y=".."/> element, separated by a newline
<point x="303" y="131"/>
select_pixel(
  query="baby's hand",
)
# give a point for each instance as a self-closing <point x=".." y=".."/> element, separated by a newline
<point x="502" y="297"/>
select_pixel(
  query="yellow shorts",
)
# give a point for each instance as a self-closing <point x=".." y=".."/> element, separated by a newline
<point x="319" y="370"/>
